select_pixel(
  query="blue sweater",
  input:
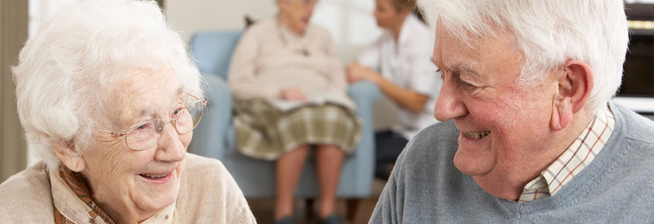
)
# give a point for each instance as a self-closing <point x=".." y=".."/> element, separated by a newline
<point x="616" y="187"/>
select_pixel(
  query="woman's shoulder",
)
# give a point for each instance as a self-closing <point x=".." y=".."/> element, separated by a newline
<point x="195" y="163"/>
<point x="200" y="170"/>
<point x="26" y="192"/>
<point x="209" y="193"/>
<point x="262" y="27"/>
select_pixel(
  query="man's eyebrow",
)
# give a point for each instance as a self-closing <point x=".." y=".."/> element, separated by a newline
<point x="431" y="59"/>
<point x="461" y="68"/>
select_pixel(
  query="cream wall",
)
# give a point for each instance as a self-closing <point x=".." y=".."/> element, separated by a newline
<point x="190" y="16"/>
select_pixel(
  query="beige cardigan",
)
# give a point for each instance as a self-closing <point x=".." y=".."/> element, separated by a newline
<point x="269" y="58"/>
<point x="208" y="194"/>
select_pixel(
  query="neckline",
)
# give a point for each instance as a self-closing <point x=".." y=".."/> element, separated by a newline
<point x="282" y="31"/>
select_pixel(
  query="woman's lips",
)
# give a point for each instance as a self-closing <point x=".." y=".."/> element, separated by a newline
<point x="157" y="177"/>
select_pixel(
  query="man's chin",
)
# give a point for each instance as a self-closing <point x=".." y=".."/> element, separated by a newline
<point x="469" y="166"/>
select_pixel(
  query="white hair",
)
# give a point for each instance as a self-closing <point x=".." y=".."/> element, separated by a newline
<point x="548" y="32"/>
<point x="65" y="72"/>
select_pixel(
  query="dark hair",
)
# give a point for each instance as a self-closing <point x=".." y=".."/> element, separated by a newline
<point x="404" y="4"/>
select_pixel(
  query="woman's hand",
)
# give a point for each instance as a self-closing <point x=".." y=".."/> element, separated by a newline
<point x="293" y="93"/>
<point x="357" y="72"/>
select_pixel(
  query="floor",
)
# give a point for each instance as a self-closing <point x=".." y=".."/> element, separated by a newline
<point x="263" y="208"/>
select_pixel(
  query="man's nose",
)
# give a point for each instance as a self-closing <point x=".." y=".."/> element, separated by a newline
<point x="449" y="104"/>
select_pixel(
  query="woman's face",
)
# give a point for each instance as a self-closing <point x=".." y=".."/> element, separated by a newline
<point x="386" y="14"/>
<point x="134" y="184"/>
<point x="297" y="13"/>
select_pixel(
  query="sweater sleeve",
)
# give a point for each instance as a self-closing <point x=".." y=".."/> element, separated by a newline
<point x="242" y="79"/>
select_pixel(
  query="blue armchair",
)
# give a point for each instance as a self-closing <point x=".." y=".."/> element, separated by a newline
<point x="215" y="137"/>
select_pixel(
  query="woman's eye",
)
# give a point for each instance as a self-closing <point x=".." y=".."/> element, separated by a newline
<point x="177" y="111"/>
<point x="142" y="126"/>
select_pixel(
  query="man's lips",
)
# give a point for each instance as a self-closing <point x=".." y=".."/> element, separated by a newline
<point x="477" y="135"/>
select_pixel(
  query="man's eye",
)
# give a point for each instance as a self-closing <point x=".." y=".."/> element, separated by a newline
<point x="466" y="85"/>
<point x="440" y="73"/>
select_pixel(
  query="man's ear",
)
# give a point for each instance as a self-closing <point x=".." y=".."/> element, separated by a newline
<point x="575" y="82"/>
<point x="69" y="155"/>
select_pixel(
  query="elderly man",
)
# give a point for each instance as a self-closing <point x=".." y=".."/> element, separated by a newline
<point x="533" y="136"/>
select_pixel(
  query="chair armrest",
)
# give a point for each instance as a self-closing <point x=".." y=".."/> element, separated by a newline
<point x="210" y="136"/>
<point x="365" y="95"/>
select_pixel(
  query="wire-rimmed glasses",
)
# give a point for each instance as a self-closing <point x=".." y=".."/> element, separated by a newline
<point x="144" y="135"/>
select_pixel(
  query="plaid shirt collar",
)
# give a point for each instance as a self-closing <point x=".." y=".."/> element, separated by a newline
<point x="582" y="151"/>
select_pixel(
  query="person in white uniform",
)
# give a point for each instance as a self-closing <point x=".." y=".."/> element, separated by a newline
<point x="399" y="63"/>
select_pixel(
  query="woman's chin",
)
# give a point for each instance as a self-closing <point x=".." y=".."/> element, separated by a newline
<point x="155" y="193"/>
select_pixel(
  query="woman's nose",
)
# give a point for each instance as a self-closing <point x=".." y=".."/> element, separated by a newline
<point x="170" y="147"/>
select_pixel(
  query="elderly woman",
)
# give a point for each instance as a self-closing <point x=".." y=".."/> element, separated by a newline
<point x="109" y="98"/>
<point x="290" y="86"/>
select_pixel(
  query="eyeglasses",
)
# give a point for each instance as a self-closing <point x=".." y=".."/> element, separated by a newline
<point x="144" y="135"/>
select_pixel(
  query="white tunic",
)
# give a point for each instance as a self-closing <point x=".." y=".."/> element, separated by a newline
<point x="407" y="63"/>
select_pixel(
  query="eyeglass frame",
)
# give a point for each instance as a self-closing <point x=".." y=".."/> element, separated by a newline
<point x="165" y="122"/>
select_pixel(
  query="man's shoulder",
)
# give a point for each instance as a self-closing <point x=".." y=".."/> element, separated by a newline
<point x="26" y="192"/>
<point x="435" y="142"/>
<point x="439" y="133"/>
<point x="634" y="129"/>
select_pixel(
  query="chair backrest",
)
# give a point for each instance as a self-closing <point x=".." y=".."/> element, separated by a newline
<point x="213" y="50"/>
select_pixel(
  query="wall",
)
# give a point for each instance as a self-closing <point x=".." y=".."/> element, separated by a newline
<point x="190" y="16"/>
<point x="13" y="32"/>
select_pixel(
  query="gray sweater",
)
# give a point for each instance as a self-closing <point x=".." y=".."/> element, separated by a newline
<point x="616" y="187"/>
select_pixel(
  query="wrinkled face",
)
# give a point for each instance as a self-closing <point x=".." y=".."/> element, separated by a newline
<point x="501" y="123"/>
<point x="298" y="13"/>
<point x="386" y="14"/>
<point x="138" y="182"/>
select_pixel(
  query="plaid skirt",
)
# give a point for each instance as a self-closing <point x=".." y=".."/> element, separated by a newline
<point x="264" y="132"/>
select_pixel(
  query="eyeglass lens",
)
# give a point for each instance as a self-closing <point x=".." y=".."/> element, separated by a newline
<point x="147" y="134"/>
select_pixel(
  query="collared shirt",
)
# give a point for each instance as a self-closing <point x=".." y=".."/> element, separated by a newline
<point x="75" y="210"/>
<point x="582" y="151"/>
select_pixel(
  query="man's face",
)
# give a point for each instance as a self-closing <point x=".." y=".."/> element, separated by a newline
<point x="503" y="124"/>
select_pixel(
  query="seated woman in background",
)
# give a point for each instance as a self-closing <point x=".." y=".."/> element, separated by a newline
<point x="109" y="99"/>
<point x="290" y="92"/>
<point x="399" y="63"/>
